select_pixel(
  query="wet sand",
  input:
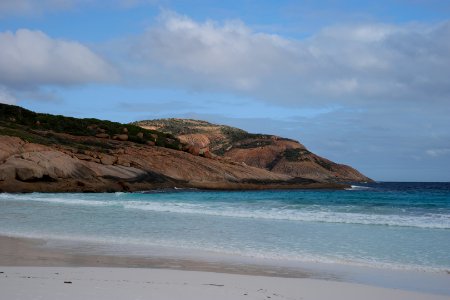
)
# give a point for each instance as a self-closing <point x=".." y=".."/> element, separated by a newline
<point x="30" y="270"/>
<point x="16" y="251"/>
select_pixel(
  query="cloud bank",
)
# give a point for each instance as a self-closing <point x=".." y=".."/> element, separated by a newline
<point x="359" y="66"/>
<point x="346" y="64"/>
<point x="31" y="59"/>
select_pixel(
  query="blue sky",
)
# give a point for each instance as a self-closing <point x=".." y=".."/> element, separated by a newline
<point x="366" y="83"/>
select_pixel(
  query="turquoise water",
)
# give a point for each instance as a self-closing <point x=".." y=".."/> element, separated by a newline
<point x="386" y="225"/>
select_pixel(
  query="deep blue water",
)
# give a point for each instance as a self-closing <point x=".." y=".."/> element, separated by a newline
<point x="389" y="225"/>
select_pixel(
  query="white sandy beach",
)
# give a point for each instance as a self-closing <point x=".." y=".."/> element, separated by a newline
<point x="135" y="283"/>
<point x="30" y="271"/>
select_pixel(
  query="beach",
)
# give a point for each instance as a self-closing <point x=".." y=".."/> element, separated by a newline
<point x="30" y="271"/>
<point x="379" y="241"/>
<point x="125" y="283"/>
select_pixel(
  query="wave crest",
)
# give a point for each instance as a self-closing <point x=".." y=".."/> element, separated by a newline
<point x="264" y="210"/>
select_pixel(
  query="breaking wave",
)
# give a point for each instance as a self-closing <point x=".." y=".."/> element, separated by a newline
<point x="261" y="210"/>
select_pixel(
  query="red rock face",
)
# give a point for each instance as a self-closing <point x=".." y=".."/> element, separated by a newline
<point x="268" y="152"/>
<point x="194" y="149"/>
<point x="28" y="167"/>
<point x="296" y="162"/>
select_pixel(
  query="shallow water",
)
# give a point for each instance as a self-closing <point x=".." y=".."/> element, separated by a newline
<point x="385" y="225"/>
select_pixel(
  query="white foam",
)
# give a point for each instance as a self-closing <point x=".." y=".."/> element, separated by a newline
<point x="441" y="221"/>
<point x="358" y="188"/>
<point x="312" y="213"/>
<point x="50" y="198"/>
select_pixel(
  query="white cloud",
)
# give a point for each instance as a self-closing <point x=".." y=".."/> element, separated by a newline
<point x="340" y="65"/>
<point x="348" y="64"/>
<point x="31" y="58"/>
<point x="207" y="55"/>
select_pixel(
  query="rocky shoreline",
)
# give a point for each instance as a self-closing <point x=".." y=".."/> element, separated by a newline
<point x="264" y="151"/>
<point x="30" y="167"/>
<point x="52" y="153"/>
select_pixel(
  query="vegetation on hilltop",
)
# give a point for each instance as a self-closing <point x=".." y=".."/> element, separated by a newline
<point x="43" y="128"/>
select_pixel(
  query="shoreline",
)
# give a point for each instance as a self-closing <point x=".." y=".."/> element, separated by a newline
<point x="38" y="255"/>
<point x="112" y="186"/>
<point x="19" y="251"/>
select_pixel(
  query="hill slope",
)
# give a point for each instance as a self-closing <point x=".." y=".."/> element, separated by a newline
<point x="273" y="153"/>
<point x="48" y="153"/>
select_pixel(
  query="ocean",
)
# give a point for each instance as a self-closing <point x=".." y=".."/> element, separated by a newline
<point x="398" y="226"/>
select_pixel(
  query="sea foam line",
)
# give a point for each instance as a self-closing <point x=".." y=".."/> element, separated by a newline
<point x="52" y="198"/>
<point x="358" y="188"/>
<point x="437" y="221"/>
<point x="313" y="213"/>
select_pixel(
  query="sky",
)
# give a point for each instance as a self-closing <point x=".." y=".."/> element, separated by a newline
<point x="365" y="83"/>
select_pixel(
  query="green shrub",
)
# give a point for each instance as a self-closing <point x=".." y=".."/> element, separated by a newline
<point x="25" y="121"/>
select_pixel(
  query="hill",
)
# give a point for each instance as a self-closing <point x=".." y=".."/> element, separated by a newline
<point x="52" y="153"/>
<point x="273" y="153"/>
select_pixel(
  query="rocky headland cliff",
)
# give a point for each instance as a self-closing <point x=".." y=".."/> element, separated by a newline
<point x="273" y="153"/>
<point x="48" y="153"/>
